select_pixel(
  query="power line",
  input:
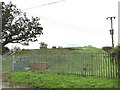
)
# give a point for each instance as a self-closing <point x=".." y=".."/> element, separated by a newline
<point x="43" y="5"/>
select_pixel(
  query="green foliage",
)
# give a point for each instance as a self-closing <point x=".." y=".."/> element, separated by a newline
<point x="17" y="27"/>
<point x="43" y="45"/>
<point x="5" y="50"/>
<point x="117" y="49"/>
<point x="107" y="48"/>
<point x="53" y="47"/>
<point x="51" y="80"/>
<point x="115" y="54"/>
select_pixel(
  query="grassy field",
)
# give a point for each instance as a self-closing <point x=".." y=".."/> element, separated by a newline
<point x="51" y="80"/>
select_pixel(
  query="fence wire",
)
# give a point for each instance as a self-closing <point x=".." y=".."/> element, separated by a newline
<point x="85" y="64"/>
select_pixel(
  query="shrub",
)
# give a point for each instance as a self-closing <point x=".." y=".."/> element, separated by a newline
<point x="53" y="47"/>
<point x="5" y="50"/>
<point x="107" y="48"/>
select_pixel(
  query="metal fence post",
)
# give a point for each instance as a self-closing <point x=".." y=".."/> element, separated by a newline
<point x="13" y="63"/>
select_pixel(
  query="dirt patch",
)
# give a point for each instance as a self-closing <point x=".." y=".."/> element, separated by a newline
<point x="39" y="66"/>
<point x="17" y="85"/>
<point x="8" y="84"/>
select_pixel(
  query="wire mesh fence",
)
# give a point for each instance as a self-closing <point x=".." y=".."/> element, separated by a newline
<point x="85" y="64"/>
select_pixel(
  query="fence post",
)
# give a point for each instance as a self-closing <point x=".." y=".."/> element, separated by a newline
<point x="106" y="67"/>
<point x="111" y="70"/>
<point x="89" y="64"/>
<point x="113" y="64"/>
<point x="102" y="59"/>
<point x="13" y="63"/>
<point x="34" y="62"/>
<point x="116" y="67"/>
<point x="107" y="55"/>
<point x="99" y="64"/>
<point x="97" y="59"/>
<point x="103" y="67"/>
<point x="92" y="55"/>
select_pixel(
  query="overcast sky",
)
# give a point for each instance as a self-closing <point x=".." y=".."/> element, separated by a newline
<point x="72" y="22"/>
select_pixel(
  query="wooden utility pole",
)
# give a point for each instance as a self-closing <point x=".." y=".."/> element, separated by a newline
<point x="111" y="31"/>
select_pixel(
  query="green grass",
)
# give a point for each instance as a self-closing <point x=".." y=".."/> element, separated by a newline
<point x="54" y="51"/>
<point x="51" y="80"/>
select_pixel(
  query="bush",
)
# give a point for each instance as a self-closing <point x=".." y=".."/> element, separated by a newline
<point x="53" y="47"/>
<point x="43" y="45"/>
<point x="5" y="50"/>
<point x="107" y="48"/>
<point x="115" y="54"/>
<point x="116" y="51"/>
<point x="60" y="47"/>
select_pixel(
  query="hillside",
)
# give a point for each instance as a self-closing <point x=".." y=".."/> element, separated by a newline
<point x="58" y="51"/>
